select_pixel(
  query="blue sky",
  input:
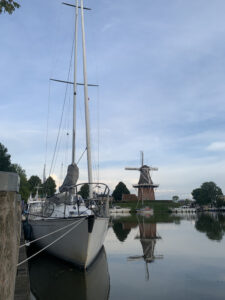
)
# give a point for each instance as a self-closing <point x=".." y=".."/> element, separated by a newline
<point x="160" y="66"/>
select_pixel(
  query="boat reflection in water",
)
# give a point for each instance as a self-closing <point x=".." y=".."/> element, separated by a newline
<point x="148" y="237"/>
<point x="52" y="278"/>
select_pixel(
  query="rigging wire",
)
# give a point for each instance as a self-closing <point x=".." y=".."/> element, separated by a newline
<point x="47" y="123"/>
<point x="67" y="126"/>
<point x="81" y="156"/>
<point x="98" y="129"/>
<point x="54" y="63"/>
<point x="95" y="47"/>
<point x="63" y="108"/>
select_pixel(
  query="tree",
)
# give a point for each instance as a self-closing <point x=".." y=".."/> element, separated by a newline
<point x="120" y="189"/>
<point x="8" y="6"/>
<point x="84" y="191"/>
<point x="5" y="162"/>
<point x="220" y="201"/>
<point x="49" y="187"/>
<point x="24" y="186"/>
<point x="197" y="195"/>
<point x="208" y="193"/>
<point x="175" y="198"/>
<point x="120" y="232"/>
<point x="34" y="182"/>
<point x="211" y="226"/>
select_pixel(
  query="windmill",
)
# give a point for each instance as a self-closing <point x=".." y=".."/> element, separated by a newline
<point x="145" y="184"/>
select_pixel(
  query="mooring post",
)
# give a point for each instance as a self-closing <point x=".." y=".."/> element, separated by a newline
<point x="10" y="229"/>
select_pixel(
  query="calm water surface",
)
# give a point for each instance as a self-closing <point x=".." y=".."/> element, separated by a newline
<point x="160" y="257"/>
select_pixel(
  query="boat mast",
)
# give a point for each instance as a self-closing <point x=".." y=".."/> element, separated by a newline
<point x="75" y="86"/>
<point x="87" y="119"/>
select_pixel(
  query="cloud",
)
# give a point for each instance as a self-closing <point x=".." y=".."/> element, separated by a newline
<point x="216" y="146"/>
<point x="161" y="76"/>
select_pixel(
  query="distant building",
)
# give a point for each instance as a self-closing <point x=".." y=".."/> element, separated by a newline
<point x="129" y="198"/>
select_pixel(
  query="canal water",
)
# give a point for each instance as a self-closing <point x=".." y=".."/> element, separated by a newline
<point x="159" y="257"/>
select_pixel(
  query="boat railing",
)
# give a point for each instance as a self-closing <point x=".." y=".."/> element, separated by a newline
<point x="99" y="203"/>
<point x="43" y="209"/>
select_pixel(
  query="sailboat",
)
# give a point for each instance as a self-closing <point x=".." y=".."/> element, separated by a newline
<point x="66" y="225"/>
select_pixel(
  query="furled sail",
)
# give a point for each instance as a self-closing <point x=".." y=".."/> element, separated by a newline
<point x="70" y="179"/>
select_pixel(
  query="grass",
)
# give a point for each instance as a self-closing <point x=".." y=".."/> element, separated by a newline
<point x="159" y="206"/>
<point x="156" y="218"/>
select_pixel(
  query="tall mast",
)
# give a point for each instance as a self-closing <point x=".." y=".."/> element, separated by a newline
<point x="75" y="86"/>
<point x="142" y="158"/>
<point x="87" y="119"/>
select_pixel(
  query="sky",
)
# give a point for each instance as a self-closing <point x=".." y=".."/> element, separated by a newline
<point x="160" y="70"/>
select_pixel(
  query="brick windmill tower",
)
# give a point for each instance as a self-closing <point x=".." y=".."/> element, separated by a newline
<point x="145" y="184"/>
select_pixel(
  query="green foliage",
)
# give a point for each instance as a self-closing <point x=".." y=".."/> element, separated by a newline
<point x="5" y="162"/>
<point x="213" y="227"/>
<point x="197" y="195"/>
<point x="208" y="193"/>
<point x="49" y="187"/>
<point x="34" y="182"/>
<point x="8" y="6"/>
<point x="120" y="189"/>
<point x="24" y="186"/>
<point x="84" y="191"/>
<point x="159" y="206"/>
<point x="175" y="198"/>
<point x="220" y="202"/>
<point x="120" y="232"/>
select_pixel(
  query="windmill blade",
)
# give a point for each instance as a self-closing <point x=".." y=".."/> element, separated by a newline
<point x="153" y="169"/>
<point x="159" y="256"/>
<point x="133" y="169"/>
<point x="135" y="257"/>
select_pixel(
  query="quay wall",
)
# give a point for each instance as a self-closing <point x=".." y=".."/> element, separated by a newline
<point x="10" y="230"/>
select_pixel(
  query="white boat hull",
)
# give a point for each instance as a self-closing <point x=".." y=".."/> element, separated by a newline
<point x="119" y="210"/>
<point x="80" y="246"/>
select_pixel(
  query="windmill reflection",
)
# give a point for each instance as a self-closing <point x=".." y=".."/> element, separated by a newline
<point x="148" y="237"/>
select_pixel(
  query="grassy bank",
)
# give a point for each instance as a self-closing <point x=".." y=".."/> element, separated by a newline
<point x="159" y="206"/>
<point x="156" y="218"/>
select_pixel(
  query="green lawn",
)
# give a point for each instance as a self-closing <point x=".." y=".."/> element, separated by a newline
<point x="159" y="206"/>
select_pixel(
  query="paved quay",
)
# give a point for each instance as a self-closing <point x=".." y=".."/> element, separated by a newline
<point x="22" y="288"/>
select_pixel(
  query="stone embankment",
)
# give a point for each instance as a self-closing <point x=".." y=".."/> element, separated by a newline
<point x="10" y="229"/>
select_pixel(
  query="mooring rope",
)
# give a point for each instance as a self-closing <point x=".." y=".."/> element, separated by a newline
<point x="56" y="240"/>
<point x="42" y="237"/>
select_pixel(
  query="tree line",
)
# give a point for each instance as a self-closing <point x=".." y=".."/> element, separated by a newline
<point x="27" y="186"/>
<point x="48" y="188"/>
<point x="209" y="194"/>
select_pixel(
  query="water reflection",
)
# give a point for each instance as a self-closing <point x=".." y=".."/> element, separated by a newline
<point x="51" y="278"/>
<point x="121" y="231"/>
<point x="123" y="225"/>
<point x="192" y="266"/>
<point x="211" y="224"/>
<point x="148" y="237"/>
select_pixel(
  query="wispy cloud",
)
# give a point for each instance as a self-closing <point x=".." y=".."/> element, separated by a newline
<point x="161" y="75"/>
<point x="216" y="146"/>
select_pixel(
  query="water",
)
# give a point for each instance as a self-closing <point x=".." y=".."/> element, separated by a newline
<point x="160" y="257"/>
